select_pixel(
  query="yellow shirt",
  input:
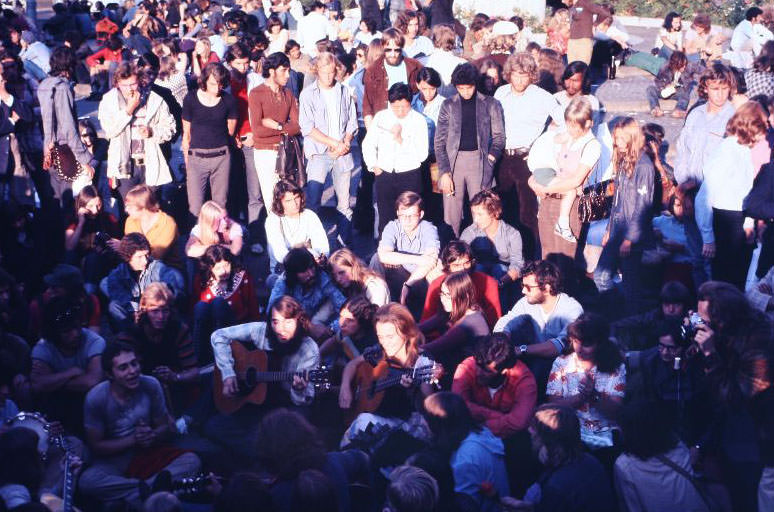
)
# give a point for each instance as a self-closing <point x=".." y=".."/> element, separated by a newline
<point x="162" y="237"/>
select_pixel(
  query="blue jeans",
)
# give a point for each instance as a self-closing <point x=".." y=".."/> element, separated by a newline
<point x="682" y="96"/>
<point x="610" y="262"/>
<point x="317" y="169"/>
<point x="209" y="316"/>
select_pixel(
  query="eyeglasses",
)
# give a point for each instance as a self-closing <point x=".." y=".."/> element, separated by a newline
<point x="87" y="134"/>
<point x="529" y="287"/>
<point x="393" y="50"/>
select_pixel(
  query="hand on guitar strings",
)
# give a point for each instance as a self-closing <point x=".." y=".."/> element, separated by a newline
<point x="230" y="386"/>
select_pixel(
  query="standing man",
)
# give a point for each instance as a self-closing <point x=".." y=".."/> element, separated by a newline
<point x="526" y="108"/>
<point x="394" y="148"/>
<point x="57" y="112"/>
<point x="127" y="423"/>
<point x="243" y="80"/>
<point x="328" y="121"/>
<point x="136" y="123"/>
<point x="273" y="112"/>
<point x="466" y="152"/>
<point x="209" y="120"/>
<point x="387" y="71"/>
<point x="581" y="42"/>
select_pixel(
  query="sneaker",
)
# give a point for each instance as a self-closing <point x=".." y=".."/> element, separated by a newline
<point x="565" y="233"/>
<point x="256" y="248"/>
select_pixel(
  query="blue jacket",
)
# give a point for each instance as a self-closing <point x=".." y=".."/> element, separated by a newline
<point x="481" y="458"/>
<point x="632" y="210"/>
<point x="125" y="289"/>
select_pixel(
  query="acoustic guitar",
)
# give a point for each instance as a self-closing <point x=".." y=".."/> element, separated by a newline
<point x="252" y="379"/>
<point x="370" y="383"/>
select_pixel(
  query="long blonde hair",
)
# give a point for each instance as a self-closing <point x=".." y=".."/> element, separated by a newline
<point x="360" y="272"/>
<point x="626" y="160"/>
<point x="399" y="316"/>
<point x="209" y="213"/>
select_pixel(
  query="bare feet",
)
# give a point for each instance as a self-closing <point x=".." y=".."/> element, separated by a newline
<point x="657" y="112"/>
<point x="678" y="114"/>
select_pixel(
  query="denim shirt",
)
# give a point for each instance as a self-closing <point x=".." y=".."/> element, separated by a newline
<point x="323" y="290"/>
<point x="701" y="134"/>
<point x="313" y="113"/>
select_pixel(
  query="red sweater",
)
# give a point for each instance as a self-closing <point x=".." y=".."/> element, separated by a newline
<point x="105" y="55"/>
<point x="510" y="409"/>
<point x="242" y="299"/>
<point x="488" y="297"/>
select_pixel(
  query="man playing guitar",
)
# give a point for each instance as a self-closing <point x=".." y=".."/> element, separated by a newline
<point x="289" y="349"/>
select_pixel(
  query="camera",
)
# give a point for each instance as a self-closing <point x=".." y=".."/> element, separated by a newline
<point x="101" y="239"/>
<point x="688" y="328"/>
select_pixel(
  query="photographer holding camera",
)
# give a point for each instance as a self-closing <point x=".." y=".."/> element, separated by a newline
<point x="672" y="375"/>
<point x="736" y="343"/>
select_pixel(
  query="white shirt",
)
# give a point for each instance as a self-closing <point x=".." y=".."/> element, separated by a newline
<point x="284" y="233"/>
<point x="728" y="178"/>
<point x="525" y="114"/>
<point x="444" y="62"/>
<point x="741" y="39"/>
<point x="420" y="44"/>
<point x="564" y="101"/>
<point x="396" y="74"/>
<point x="380" y="149"/>
<point x="312" y="28"/>
<point x="39" y="54"/>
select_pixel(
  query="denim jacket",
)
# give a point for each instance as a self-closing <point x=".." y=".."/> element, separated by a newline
<point x="313" y="113"/>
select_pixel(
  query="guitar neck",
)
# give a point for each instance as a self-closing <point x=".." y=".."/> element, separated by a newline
<point x="418" y="374"/>
<point x="69" y="487"/>
<point x="278" y="376"/>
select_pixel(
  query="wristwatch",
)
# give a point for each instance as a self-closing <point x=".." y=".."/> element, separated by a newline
<point x="280" y="126"/>
<point x="523" y="349"/>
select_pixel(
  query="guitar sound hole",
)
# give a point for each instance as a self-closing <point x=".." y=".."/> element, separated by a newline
<point x="250" y="380"/>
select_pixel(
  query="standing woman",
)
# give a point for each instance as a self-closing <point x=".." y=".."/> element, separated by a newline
<point x="209" y="121"/>
<point x="57" y="112"/>
<point x="413" y="24"/>
<point x="577" y="154"/>
<point x="630" y="216"/>
<point x="399" y="346"/>
<point x="428" y="103"/>
<point x="202" y="56"/>
<point x="728" y="178"/>
<point x="353" y="277"/>
<point x="460" y="321"/>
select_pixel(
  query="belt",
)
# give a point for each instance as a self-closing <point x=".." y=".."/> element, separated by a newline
<point x="139" y="161"/>
<point x="214" y="154"/>
<point x="554" y="196"/>
<point x="516" y="151"/>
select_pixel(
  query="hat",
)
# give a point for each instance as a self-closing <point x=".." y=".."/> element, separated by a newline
<point x="64" y="276"/>
<point x="28" y="37"/>
<point x="505" y="28"/>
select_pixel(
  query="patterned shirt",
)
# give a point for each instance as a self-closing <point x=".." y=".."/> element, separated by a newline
<point x="759" y="83"/>
<point x="566" y="375"/>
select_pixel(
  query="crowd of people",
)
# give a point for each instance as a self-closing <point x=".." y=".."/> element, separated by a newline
<point x="360" y="256"/>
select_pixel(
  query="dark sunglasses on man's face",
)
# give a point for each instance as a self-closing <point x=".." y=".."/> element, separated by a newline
<point x="392" y="50"/>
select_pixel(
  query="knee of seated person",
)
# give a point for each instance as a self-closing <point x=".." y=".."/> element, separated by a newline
<point x="202" y="308"/>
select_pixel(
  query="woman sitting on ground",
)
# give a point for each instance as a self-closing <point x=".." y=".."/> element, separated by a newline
<point x="354" y="278"/>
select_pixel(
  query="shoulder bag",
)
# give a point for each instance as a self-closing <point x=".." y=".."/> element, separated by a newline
<point x="596" y="201"/>
<point x="60" y="158"/>
<point x="706" y="490"/>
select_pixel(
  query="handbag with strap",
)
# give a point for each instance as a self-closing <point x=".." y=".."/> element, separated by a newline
<point x="290" y="160"/>
<point x="596" y="201"/>
<point x="60" y="157"/>
<point x="702" y="487"/>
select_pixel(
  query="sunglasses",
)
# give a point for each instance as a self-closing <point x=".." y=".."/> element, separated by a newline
<point x="393" y="50"/>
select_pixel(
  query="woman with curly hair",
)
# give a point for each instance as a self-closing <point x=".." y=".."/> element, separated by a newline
<point x="226" y="297"/>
